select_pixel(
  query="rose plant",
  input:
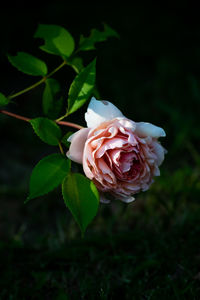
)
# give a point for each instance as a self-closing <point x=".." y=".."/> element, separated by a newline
<point x="120" y="157"/>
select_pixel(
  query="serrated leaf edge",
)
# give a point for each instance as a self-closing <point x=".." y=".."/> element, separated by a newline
<point x="39" y="135"/>
<point x="46" y="193"/>
<point x="21" y="70"/>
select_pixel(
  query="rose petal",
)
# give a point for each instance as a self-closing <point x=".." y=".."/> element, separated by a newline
<point x="105" y="173"/>
<point x="110" y="144"/>
<point x="144" y="129"/>
<point x="100" y="111"/>
<point x="160" y="152"/>
<point x="76" y="148"/>
<point x="126" y="199"/>
<point x="126" y="123"/>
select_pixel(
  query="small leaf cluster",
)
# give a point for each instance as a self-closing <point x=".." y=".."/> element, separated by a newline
<point x="79" y="193"/>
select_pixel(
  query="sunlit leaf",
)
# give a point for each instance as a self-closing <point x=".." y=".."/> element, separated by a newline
<point x="47" y="130"/>
<point x="82" y="87"/>
<point x="57" y="40"/>
<point x="28" y="64"/>
<point x="82" y="198"/>
<point x="48" y="174"/>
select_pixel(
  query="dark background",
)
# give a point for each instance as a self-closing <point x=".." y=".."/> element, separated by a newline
<point x="145" y="250"/>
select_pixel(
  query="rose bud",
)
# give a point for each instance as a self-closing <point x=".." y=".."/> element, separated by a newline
<point x="119" y="155"/>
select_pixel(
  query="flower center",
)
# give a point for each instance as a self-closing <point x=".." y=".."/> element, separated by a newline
<point x="129" y="165"/>
<point x="125" y="165"/>
<point x="135" y="168"/>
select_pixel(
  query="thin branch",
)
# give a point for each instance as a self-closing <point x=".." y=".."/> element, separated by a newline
<point x="69" y="124"/>
<point x="5" y="112"/>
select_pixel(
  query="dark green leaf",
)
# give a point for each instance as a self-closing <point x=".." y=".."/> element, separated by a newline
<point x="28" y="64"/>
<point x="57" y="39"/>
<point x="48" y="174"/>
<point x="64" y="140"/>
<point x="3" y="100"/>
<point x="88" y="43"/>
<point x="77" y="64"/>
<point x="81" y="197"/>
<point x="82" y="87"/>
<point x="47" y="130"/>
<point x="51" y="100"/>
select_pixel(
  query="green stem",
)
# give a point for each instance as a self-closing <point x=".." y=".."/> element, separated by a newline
<point x="39" y="82"/>
<point x="61" y="118"/>
<point x="57" y="69"/>
<point x="61" y="148"/>
<point x="27" y="89"/>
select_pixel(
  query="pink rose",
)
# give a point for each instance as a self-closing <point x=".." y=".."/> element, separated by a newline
<point x="119" y="155"/>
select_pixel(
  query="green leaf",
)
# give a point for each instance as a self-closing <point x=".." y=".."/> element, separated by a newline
<point x="64" y="140"/>
<point x="77" y="64"/>
<point x="48" y="174"/>
<point x="28" y="64"/>
<point x="3" y="100"/>
<point x="82" y="198"/>
<point x="82" y="87"/>
<point x="57" y="39"/>
<point x="88" y="43"/>
<point x="51" y="102"/>
<point x="47" y="130"/>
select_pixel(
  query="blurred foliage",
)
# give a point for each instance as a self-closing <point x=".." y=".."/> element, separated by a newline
<point x="148" y="249"/>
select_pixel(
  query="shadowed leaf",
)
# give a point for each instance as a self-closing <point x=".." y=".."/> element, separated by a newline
<point x="64" y="140"/>
<point x="88" y="43"/>
<point x="47" y="130"/>
<point x="77" y="64"/>
<point x="82" y="198"/>
<point x="51" y="102"/>
<point x="48" y="174"/>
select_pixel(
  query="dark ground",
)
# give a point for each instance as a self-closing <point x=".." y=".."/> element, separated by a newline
<point x="149" y="249"/>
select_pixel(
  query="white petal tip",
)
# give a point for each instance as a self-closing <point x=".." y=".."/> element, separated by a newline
<point x="162" y="133"/>
<point x="70" y="138"/>
<point x="68" y="155"/>
<point x="127" y="199"/>
<point x="100" y="111"/>
<point x="144" y="129"/>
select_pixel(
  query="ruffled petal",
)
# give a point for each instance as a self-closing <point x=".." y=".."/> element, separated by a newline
<point x="100" y="111"/>
<point x="76" y="148"/>
<point x="160" y="152"/>
<point x="144" y="129"/>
